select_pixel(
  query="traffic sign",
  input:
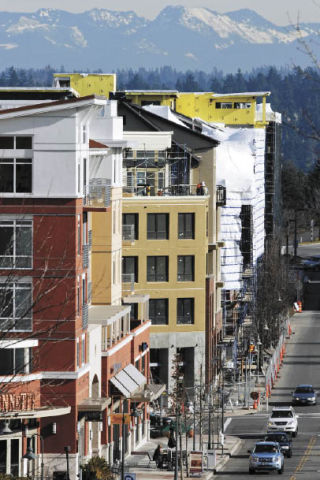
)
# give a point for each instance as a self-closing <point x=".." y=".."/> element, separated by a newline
<point x="130" y="476"/>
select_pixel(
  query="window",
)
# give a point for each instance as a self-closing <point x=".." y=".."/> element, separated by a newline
<point x="84" y="133"/>
<point x="158" y="226"/>
<point x="186" y="225"/>
<point x="16" y="243"/>
<point x="158" y="311"/>
<point x="18" y="143"/>
<point x="83" y="350"/>
<point x="224" y="105"/>
<point x="15" y="306"/>
<point x="157" y="269"/>
<point x="79" y="233"/>
<point x="131" y="219"/>
<point x="78" y="352"/>
<point x="130" y="266"/>
<point x="16" y="175"/>
<point x="185" y="311"/>
<point x="185" y="268"/>
<point x="12" y="361"/>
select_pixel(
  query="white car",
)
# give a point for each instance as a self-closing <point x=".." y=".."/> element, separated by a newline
<point x="284" y="419"/>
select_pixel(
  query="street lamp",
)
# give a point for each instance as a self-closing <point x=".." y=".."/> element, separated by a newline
<point x="133" y="414"/>
<point x="31" y="456"/>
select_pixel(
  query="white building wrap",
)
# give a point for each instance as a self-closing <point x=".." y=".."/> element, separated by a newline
<point x="240" y="168"/>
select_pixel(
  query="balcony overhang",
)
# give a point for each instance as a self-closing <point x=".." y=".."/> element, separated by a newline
<point x="136" y="298"/>
<point x="107" y="314"/>
<point x="94" y="404"/>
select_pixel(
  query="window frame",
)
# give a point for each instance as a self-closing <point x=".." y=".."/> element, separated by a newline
<point x="136" y="266"/>
<point x="17" y="156"/>
<point x="155" y="233"/>
<point x="185" y="276"/>
<point x="153" y="307"/>
<point x="156" y="259"/>
<point x="15" y="224"/>
<point x="15" y="286"/>
<point x="181" y="302"/>
<point x="184" y="232"/>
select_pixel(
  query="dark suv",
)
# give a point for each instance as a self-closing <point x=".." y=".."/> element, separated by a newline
<point x="284" y="441"/>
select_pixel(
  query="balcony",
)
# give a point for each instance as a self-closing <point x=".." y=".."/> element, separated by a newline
<point x="221" y="196"/>
<point x="84" y="315"/>
<point x="181" y="190"/>
<point x="85" y="256"/>
<point x="98" y="193"/>
<point x="128" y="283"/>
<point x="128" y="233"/>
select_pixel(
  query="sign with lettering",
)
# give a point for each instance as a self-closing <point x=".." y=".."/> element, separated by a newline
<point x="119" y="418"/>
<point x="10" y="402"/>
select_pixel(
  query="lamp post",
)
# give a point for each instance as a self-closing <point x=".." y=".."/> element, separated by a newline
<point x="31" y="456"/>
<point x="135" y="414"/>
<point x="67" y="451"/>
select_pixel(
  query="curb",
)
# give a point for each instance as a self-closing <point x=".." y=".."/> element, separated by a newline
<point x="221" y="463"/>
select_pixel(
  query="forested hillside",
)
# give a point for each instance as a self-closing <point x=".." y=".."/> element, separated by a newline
<point x="295" y="94"/>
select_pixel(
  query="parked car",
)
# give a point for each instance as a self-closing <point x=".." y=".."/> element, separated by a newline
<point x="266" y="456"/>
<point x="283" y="418"/>
<point x="304" y="395"/>
<point x="284" y="440"/>
<point x="311" y="263"/>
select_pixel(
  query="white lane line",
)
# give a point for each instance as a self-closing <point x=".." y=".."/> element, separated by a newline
<point x="227" y="423"/>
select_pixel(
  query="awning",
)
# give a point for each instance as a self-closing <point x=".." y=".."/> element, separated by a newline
<point x="129" y="380"/>
<point x="40" y="412"/>
<point x="151" y="392"/>
<point x="94" y="404"/>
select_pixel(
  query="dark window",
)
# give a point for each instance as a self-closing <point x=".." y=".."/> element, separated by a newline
<point x="186" y="226"/>
<point x="15" y="306"/>
<point x="130" y="266"/>
<point x="158" y="311"/>
<point x="157" y="269"/>
<point x="185" y="311"/>
<point x="12" y="361"/>
<point x="185" y="268"/>
<point x="16" y="175"/>
<point x="158" y="226"/>
<point x="7" y="143"/>
<point x="131" y="219"/>
<point x="23" y="143"/>
<point x="15" y="244"/>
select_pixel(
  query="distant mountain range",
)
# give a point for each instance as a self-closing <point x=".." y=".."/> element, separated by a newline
<point x="185" y="38"/>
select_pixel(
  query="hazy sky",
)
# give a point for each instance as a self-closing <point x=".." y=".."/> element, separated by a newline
<point x="281" y="12"/>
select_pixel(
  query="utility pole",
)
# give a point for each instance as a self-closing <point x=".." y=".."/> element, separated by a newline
<point x="200" y="416"/>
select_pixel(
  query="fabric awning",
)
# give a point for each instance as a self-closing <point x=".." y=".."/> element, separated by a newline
<point x="129" y="380"/>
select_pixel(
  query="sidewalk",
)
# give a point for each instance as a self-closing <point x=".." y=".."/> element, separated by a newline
<point x="134" y="463"/>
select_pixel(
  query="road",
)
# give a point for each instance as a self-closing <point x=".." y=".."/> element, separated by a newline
<point x="301" y="365"/>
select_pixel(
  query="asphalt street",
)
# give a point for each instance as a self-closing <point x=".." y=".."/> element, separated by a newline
<point x="301" y="365"/>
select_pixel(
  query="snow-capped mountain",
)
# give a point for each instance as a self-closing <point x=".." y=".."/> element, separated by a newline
<point x="185" y="38"/>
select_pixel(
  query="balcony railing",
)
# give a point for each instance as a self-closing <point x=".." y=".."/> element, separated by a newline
<point x="89" y="292"/>
<point x="90" y="239"/>
<point x="85" y="311"/>
<point x="98" y="192"/>
<point x="174" y="190"/>
<point x="128" y="282"/>
<point x="128" y="233"/>
<point x="85" y="256"/>
<point x="221" y="195"/>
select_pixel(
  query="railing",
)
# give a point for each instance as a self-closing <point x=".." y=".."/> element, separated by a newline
<point x="221" y="195"/>
<point x="128" y="233"/>
<point x="128" y="282"/>
<point x="173" y="190"/>
<point x="85" y="315"/>
<point x="98" y="192"/>
<point x="85" y="256"/>
<point x="90" y="239"/>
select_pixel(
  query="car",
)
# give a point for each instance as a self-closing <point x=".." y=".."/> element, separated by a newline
<point x="312" y="263"/>
<point x="284" y="440"/>
<point x="266" y="456"/>
<point x="283" y="418"/>
<point x="304" y="395"/>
